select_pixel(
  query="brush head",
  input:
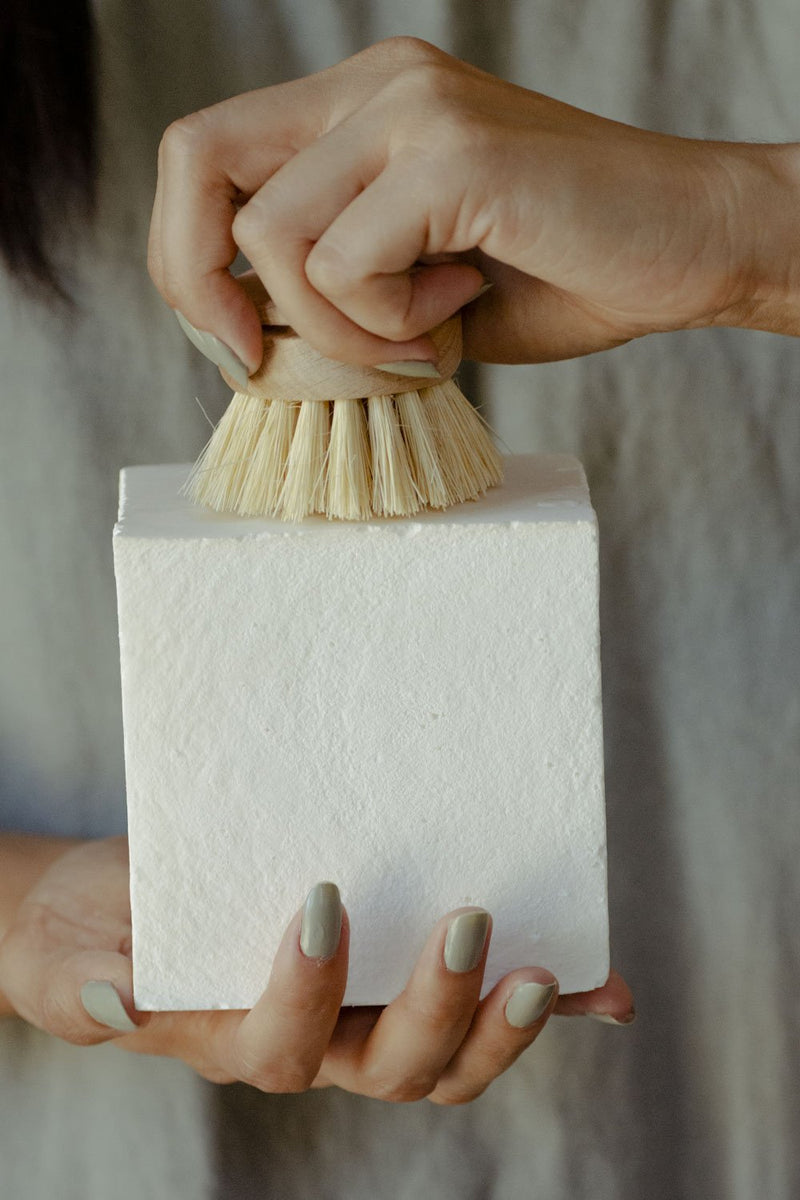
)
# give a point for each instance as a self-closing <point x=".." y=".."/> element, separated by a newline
<point x="312" y="435"/>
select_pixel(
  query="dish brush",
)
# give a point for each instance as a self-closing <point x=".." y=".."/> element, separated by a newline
<point x="312" y="435"/>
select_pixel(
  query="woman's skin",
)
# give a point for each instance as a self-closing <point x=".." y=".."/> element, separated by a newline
<point x="65" y="921"/>
<point x="339" y="188"/>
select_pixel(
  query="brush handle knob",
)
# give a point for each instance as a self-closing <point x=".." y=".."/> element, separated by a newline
<point x="293" y="370"/>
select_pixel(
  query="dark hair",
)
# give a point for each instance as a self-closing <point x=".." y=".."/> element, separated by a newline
<point x="48" y="144"/>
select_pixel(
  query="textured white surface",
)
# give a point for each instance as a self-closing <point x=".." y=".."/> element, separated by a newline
<point x="409" y="708"/>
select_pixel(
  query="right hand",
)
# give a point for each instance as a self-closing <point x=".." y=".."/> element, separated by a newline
<point x="436" y="1040"/>
<point x="374" y="197"/>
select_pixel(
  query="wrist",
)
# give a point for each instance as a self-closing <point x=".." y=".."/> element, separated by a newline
<point x="24" y="858"/>
<point x="760" y="202"/>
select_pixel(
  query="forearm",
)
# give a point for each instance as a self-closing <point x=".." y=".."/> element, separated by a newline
<point x="762" y="205"/>
<point x="23" y="860"/>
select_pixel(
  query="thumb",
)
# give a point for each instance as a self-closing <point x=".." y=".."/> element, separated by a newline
<point x="83" y="997"/>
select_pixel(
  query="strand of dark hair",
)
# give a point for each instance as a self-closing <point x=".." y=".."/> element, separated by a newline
<point x="48" y="143"/>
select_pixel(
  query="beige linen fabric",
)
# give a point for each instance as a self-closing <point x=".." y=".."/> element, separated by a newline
<point x="691" y="443"/>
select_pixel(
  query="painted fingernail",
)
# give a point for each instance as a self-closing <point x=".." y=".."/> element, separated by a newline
<point x="528" y="1003"/>
<point x="607" y="1019"/>
<point x="321" y="926"/>
<point x="415" y="370"/>
<point x="466" y="937"/>
<point x="216" y="350"/>
<point x="102" y="1002"/>
<point x="481" y="290"/>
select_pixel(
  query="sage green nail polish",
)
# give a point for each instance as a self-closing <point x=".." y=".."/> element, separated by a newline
<point x="414" y="370"/>
<point x="466" y="937"/>
<point x="528" y="1003"/>
<point x="481" y="291"/>
<point x="215" y="350"/>
<point x="321" y="926"/>
<point x="102" y="1002"/>
<point x="607" y="1019"/>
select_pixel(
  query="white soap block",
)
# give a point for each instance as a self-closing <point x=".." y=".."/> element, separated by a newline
<point x="410" y="708"/>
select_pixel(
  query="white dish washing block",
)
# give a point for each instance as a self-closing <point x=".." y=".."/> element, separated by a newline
<point x="409" y="708"/>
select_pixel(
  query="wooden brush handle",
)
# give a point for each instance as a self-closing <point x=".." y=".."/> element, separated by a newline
<point x="293" y="370"/>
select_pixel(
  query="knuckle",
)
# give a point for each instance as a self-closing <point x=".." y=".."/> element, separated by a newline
<point x="329" y="270"/>
<point x="282" y="1079"/>
<point x="428" y="84"/>
<point x="265" y="221"/>
<point x="186" y="138"/>
<point x="288" y="1075"/>
<point x="249" y="222"/>
<point x="404" y="1090"/>
<point x="451" y="1097"/>
<point x="400" y="1092"/>
<point x="438" y="120"/>
<point x="403" y="49"/>
<point x="338" y="273"/>
<point x="399" y="51"/>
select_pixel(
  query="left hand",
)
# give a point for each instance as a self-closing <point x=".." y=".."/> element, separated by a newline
<point x="436" y="1040"/>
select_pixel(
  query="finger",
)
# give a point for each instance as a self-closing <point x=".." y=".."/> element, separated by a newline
<point x="83" y="997"/>
<point x="363" y="261"/>
<point x="418" y="1033"/>
<point x="280" y="1044"/>
<point x="279" y="226"/>
<point x="613" y="1002"/>
<point x="354" y="1026"/>
<point x="192" y="245"/>
<point x="507" y="1021"/>
<point x="212" y="162"/>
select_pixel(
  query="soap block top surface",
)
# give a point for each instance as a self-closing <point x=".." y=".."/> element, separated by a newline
<point x="536" y="487"/>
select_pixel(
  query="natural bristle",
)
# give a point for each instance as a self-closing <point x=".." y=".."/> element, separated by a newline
<point x="303" y="490"/>
<point x="394" y="493"/>
<point x="422" y="453"/>
<point x="350" y="460"/>
<point x="226" y="463"/>
<point x="265" y="479"/>
<point x="349" y="474"/>
<point x="469" y="461"/>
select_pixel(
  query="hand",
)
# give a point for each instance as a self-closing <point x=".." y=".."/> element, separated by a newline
<point x="436" y="1039"/>
<point x="373" y="198"/>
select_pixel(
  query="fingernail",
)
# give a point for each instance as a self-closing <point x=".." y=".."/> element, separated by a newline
<point x="102" y="1002"/>
<point x="415" y="370"/>
<point x="528" y="1003"/>
<point x="321" y="926"/>
<point x="466" y="937"/>
<point x="484" y="288"/>
<point x="607" y="1019"/>
<point x="220" y="354"/>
